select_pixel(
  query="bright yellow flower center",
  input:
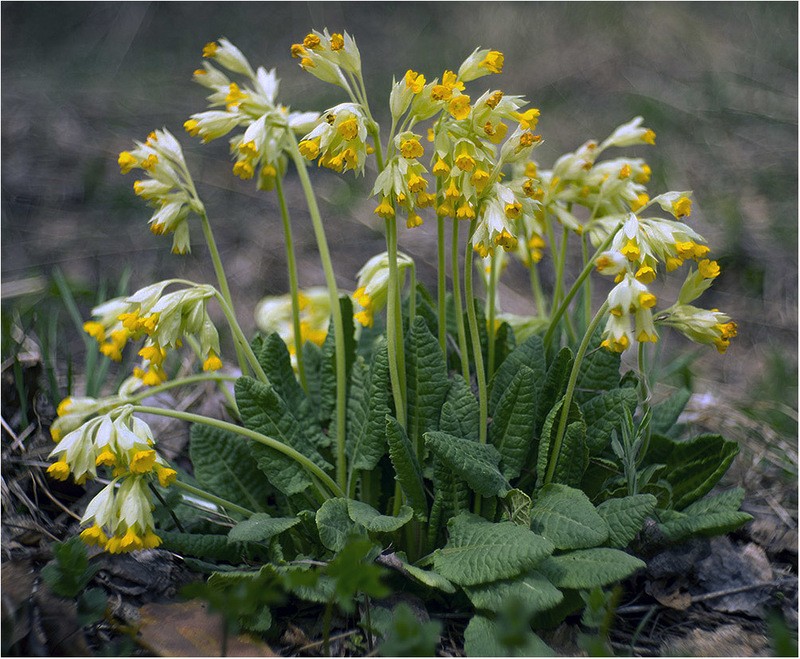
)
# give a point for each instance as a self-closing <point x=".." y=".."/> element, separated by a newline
<point x="493" y="61"/>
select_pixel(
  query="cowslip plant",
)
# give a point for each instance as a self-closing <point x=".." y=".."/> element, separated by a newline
<point x="484" y="457"/>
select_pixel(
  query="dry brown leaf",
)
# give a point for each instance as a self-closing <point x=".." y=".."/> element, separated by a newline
<point x="187" y="629"/>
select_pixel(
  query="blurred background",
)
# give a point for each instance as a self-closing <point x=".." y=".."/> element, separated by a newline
<point x="717" y="82"/>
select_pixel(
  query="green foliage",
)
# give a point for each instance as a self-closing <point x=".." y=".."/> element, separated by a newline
<point x="69" y="572"/>
<point x="427" y="382"/>
<point x="530" y="354"/>
<point x="588" y="568"/>
<point x="479" y="551"/>
<point x="261" y="527"/>
<point x="567" y="518"/>
<point x="512" y="429"/>
<point x="625" y="517"/>
<point x="475" y="463"/>
<point x="508" y="636"/>
<point x="406" y="636"/>
<point x="406" y="466"/>
<point x="224" y="466"/>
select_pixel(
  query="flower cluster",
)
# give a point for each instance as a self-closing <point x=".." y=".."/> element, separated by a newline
<point x="252" y="104"/>
<point x="274" y="314"/>
<point x="339" y="139"/>
<point x="330" y="57"/>
<point x="471" y="146"/>
<point x="162" y="319"/>
<point x="119" y="518"/>
<point x="168" y="187"/>
<point x="373" y="285"/>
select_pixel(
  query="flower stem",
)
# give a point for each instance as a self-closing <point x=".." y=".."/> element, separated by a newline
<point x="567" y="400"/>
<point x="491" y="304"/>
<point x="587" y="269"/>
<point x="241" y="341"/>
<point x="441" y="293"/>
<point x="394" y="327"/>
<point x="291" y="265"/>
<point x="212" y="498"/>
<point x="477" y="353"/>
<point x="288" y="451"/>
<point x="222" y="280"/>
<point x="336" y="311"/>
<point x="459" y="309"/>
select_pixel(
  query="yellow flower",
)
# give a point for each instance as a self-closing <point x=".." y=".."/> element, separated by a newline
<point x="708" y="269"/>
<point x="464" y="161"/>
<point x="95" y="330"/>
<point x="416" y="183"/>
<point x="94" y="536"/>
<point x="630" y="250"/>
<point x="644" y="175"/>
<point x="479" y="178"/>
<point x="337" y="41"/>
<point x="494" y="100"/>
<point x="528" y="119"/>
<point x="311" y="41"/>
<point x="143" y="462"/>
<point x="212" y="362"/>
<point x="414" y="81"/>
<point x="505" y="240"/>
<point x="440" y="168"/>
<point x="309" y="148"/>
<point x="411" y="148"/>
<point x="649" y="137"/>
<point x="298" y="51"/>
<point x="513" y="211"/>
<point x="244" y="170"/>
<point x="385" y="209"/>
<point x="192" y="126"/>
<point x="647" y="300"/>
<point x="127" y="161"/>
<point x="166" y="476"/>
<point x="348" y="129"/>
<point x="210" y="49"/>
<point x="493" y="61"/>
<point x="459" y="107"/>
<point x="682" y="207"/>
<point x="640" y="202"/>
<point x="645" y="274"/>
<point x="59" y="470"/>
<point x="625" y="171"/>
<point x="465" y="211"/>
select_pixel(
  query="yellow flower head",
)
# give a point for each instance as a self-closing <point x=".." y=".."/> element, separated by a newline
<point x="459" y="107"/>
<point x="682" y="207"/>
<point x="414" y="220"/>
<point x="414" y="81"/>
<point x="493" y="62"/>
<point x="708" y="269"/>
<point x="440" y="168"/>
<point x="212" y="362"/>
<point x="645" y="274"/>
<point x="311" y="41"/>
<point x="464" y="161"/>
<point x="127" y="161"/>
<point x="337" y="41"/>
<point x="640" y="202"/>
<point x="528" y="119"/>
<point x="385" y="209"/>
<point x="630" y="250"/>
<point x="411" y="148"/>
<point x="210" y="49"/>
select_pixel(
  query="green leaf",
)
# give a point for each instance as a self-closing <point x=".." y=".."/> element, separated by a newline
<point x="211" y="547"/>
<point x="694" y="466"/>
<point x="460" y="411"/>
<point x="406" y="467"/>
<point x="573" y="457"/>
<point x="605" y="413"/>
<point x="425" y="577"/>
<point x="406" y="636"/>
<point x="666" y="413"/>
<point x="482" y="638"/>
<point x="373" y="521"/>
<point x="354" y="571"/>
<point x="512" y="429"/>
<point x="529" y="353"/>
<point x="709" y="516"/>
<point x="479" y="551"/>
<point x="327" y="373"/>
<point x="451" y="495"/>
<point x="70" y="572"/>
<point x="273" y="355"/>
<point x="625" y="517"/>
<point x="334" y="524"/>
<point x="504" y="345"/>
<point x="474" y="462"/>
<point x="567" y="518"/>
<point x="274" y="358"/>
<point x="555" y="384"/>
<point x="367" y="410"/>
<point x="588" y="568"/>
<point x="261" y="527"/>
<point x="599" y="370"/>
<point x="517" y="508"/>
<point x="263" y="411"/>
<point x="224" y="465"/>
<point x="426" y="381"/>
<point x="532" y="591"/>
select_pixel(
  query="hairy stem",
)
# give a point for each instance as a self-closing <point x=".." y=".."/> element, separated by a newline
<point x="288" y="451"/>
<point x="336" y="311"/>
<point x="291" y="264"/>
<point x="213" y="498"/>
<point x="459" y="309"/>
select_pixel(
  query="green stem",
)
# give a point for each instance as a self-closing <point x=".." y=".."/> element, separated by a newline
<point x="288" y="451"/>
<point x="533" y="271"/>
<point x="587" y="284"/>
<point x="477" y="353"/>
<point x="645" y="394"/>
<point x="336" y="311"/>
<point x="459" y="309"/>
<point x="567" y="400"/>
<point x="393" y="336"/>
<point x="491" y="304"/>
<point x="291" y="264"/>
<point x="441" y="293"/>
<point x="180" y="382"/>
<point x="241" y="341"/>
<point x="562" y="266"/>
<point x="212" y="498"/>
<point x="587" y="269"/>
<point x="222" y="280"/>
